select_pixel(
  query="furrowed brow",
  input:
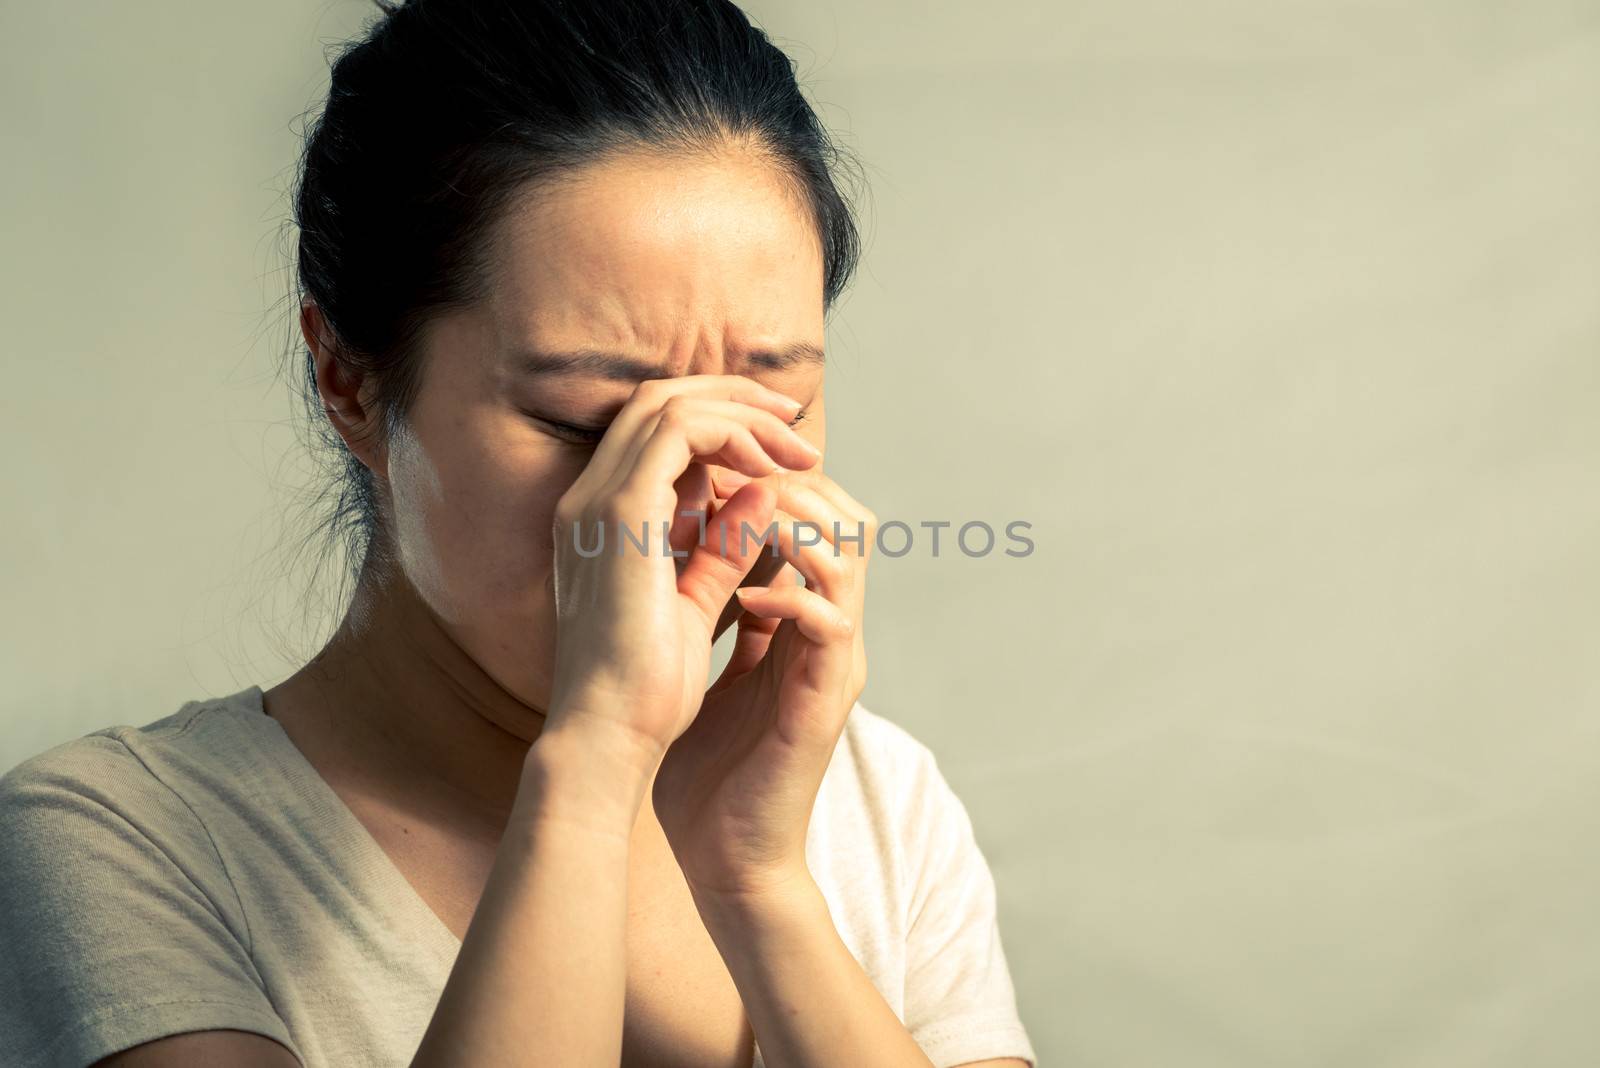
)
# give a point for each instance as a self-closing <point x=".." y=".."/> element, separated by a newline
<point x="609" y="365"/>
<point x="787" y="356"/>
<point x="617" y="367"/>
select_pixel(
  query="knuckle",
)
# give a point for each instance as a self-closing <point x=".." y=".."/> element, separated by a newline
<point x="837" y="569"/>
<point x="618" y="508"/>
<point x="568" y="510"/>
<point x="652" y="391"/>
<point x="751" y="442"/>
<point x="675" y="416"/>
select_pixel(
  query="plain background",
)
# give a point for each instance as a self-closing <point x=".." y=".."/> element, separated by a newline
<point x="1278" y="319"/>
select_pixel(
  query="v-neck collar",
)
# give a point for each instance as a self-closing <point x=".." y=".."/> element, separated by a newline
<point x="351" y="839"/>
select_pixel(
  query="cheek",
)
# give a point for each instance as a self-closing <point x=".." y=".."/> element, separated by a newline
<point x="815" y="430"/>
<point x="473" y="521"/>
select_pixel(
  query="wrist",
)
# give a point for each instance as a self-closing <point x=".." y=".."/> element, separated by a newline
<point x="779" y="901"/>
<point x="589" y="775"/>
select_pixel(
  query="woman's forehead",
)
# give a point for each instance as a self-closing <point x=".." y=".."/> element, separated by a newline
<point x="640" y="247"/>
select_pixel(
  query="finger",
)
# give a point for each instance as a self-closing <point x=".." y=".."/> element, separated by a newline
<point x="693" y="489"/>
<point x="786" y="635"/>
<point x="724" y="482"/>
<point x="862" y="521"/>
<point x="828" y="628"/>
<point x="732" y="545"/>
<point x="780" y="440"/>
<point x="765" y="571"/>
<point x="649" y="397"/>
<point x="847" y="526"/>
<point x="750" y="644"/>
<point x="803" y="491"/>
<point x="786" y="576"/>
<point x="820" y="620"/>
<point x="724" y="433"/>
<point x="805" y="545"/>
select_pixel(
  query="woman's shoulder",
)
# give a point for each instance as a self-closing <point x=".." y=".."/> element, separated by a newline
<point x="884" y="776"/>
<point x="888" y="786"/>
<point x="122" y="813"/>
<point x="114" y="760"/>
<point x="877" y="748"/>
<point x="118" y="915"/>
<point x="123" y="791"/>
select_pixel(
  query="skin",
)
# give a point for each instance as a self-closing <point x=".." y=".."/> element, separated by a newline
<point x="503" y="688"/>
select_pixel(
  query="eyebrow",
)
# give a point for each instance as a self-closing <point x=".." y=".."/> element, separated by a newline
<point x="617" y="367"/>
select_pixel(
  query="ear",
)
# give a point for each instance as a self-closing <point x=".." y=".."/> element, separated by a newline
<point x="346" y="395"/>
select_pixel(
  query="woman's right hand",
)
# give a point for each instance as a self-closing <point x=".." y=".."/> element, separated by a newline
<point x="633" y="630"/>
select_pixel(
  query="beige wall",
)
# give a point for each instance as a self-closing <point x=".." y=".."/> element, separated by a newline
<point x="1280" y="321"/>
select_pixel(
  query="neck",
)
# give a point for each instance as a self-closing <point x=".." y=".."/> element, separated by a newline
<point x="395" y="703"/>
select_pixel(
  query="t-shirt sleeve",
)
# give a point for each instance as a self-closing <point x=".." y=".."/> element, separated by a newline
<point x="960" y="1004"/>
<point x="118" y="924"/>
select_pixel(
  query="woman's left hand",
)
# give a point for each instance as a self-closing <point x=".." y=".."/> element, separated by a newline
<point x="734" y="792"/>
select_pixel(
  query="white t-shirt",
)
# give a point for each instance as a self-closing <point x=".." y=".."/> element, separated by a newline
<point x="198" y="873"/>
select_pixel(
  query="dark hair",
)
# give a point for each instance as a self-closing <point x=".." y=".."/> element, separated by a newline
<point x="445" y="111"/>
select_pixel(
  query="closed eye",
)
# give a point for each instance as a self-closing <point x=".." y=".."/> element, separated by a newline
<point x="591" y="435"/>
<point x="578" y="435"/>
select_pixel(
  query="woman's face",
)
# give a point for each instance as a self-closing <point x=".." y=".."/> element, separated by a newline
<point x="669" y="267"/>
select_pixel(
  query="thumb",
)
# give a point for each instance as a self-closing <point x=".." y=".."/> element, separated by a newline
<point x="754" y="636"/>
<point x="735" y="539"/>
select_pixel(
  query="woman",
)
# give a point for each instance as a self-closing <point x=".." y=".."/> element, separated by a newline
<point x="564" y="275"/>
